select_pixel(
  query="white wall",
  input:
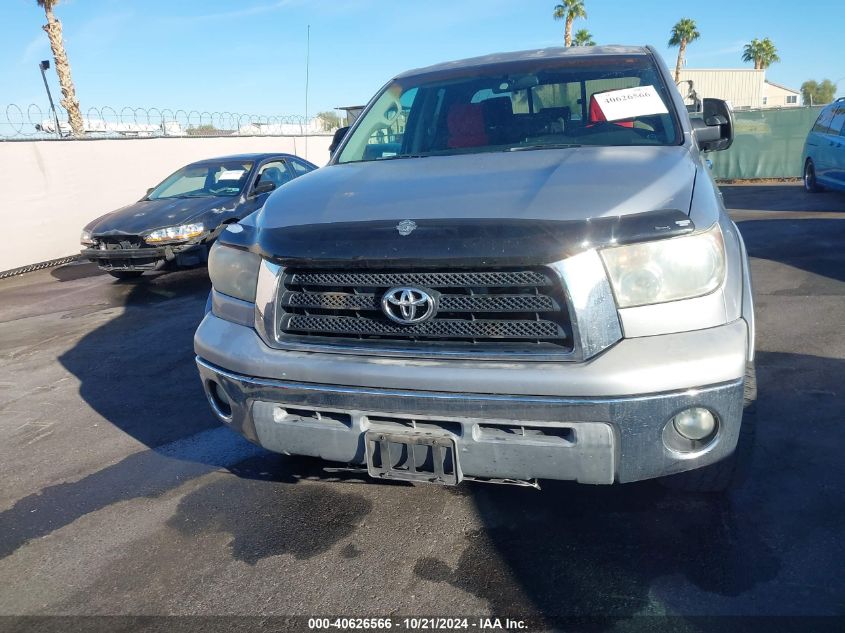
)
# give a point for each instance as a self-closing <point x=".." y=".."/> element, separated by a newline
<point x="49" y="190"/>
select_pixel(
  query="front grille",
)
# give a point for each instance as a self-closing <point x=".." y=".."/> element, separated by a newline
<point x="119" y="242"/>
<point x="475" y="309"/>
<point x="496" y="279"/>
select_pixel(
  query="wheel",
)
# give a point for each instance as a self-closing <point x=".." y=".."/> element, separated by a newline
<point x="732" y="470"/>
<point x="810" y="184"/>
<point x="126" y="274"/>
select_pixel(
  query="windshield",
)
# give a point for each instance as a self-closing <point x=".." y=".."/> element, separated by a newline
<point x="543" y="104"/>
<point x="225" y="178"/>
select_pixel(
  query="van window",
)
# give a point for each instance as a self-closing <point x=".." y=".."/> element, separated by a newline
<point x="838" y="123"/>
<point x="822" y="125"/>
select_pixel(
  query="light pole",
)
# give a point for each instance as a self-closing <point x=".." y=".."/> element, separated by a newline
<point x="44" y="65"/>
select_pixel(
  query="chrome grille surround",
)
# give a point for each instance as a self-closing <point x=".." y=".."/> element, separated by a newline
<point x="577" y="288"/>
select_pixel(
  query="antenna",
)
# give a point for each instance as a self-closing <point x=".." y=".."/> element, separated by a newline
<point x="307" y="71"/>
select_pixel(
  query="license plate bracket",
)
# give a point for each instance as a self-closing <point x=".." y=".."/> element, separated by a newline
<point x="421" y="457"/>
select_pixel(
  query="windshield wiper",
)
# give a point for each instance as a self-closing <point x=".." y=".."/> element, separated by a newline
<point x="404" y="156"/>
<point x="528" y="148"/>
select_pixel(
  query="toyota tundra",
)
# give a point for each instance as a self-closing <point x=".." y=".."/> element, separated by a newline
<point x="515" y="267"/>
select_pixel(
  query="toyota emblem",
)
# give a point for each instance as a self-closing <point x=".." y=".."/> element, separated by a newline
<point x="407" y="306"/>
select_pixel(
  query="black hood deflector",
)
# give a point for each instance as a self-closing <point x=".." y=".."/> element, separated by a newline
<point x="452" y="242"/>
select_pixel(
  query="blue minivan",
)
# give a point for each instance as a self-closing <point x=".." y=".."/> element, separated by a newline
<point x="824" y="150"/>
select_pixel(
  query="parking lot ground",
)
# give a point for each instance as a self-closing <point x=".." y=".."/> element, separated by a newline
<point x="122" y="495"/>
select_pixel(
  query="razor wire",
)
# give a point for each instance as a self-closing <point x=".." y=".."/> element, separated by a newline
<point x="33" y="122"/>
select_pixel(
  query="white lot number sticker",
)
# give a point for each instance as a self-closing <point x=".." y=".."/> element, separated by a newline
<point x="630" y="103"/>
<point x="230" y="174"/>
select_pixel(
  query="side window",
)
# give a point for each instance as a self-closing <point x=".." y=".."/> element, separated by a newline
<point x="275" y="171"/>
<point x="822" y="125"/>
<point x="392" y="126"/>
<point x="838" y="122"/>
<point x="300" y="168"/>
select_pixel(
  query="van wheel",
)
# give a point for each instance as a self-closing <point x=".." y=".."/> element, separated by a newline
<point x="732" y="470"/>
<point x="810" y="183"/>
<point x="126" y="274"/>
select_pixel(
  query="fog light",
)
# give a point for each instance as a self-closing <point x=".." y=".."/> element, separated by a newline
<point x="695" y="423"/>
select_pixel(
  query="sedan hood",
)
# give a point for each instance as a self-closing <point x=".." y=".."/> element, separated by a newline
<point x="147" y="215"/>
<point x="565" y="184"/>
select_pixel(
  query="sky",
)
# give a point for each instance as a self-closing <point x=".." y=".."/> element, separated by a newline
<point x="249" y="56"/>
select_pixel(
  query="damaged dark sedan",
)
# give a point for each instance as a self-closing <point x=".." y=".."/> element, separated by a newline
<point x="176" y="222"/>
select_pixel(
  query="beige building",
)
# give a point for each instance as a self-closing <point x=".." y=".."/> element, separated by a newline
<point x="778" y="96"/>
<point x="744" y="88"/>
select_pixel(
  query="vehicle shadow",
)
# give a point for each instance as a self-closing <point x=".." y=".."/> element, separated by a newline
<point x="75" y="270"/>
<point x="791" y="197"/>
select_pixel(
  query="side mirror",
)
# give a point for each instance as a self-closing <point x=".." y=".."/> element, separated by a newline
<point x="714" y="132"/>
<point x="338" y="137"/>
<point x="149" y="191"/>
<point x="264" y="186"/>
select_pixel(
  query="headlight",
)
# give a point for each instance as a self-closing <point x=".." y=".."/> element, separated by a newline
<point x="666" y="270"/>
<point x="233" y="272"/>
<point x="85" y="239"/>
<point x="175" y="233"/>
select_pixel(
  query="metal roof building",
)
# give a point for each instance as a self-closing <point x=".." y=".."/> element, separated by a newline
<point x="745" y="88"/>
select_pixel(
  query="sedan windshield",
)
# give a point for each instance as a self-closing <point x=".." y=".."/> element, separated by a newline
<point x="518" y="106"/>
<point x="206" y="180"/>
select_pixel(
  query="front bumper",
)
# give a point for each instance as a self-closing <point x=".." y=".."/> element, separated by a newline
<point x="594" y="422"/>
<point x="152" y="258"/>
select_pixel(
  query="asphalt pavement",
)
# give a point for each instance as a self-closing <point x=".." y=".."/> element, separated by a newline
<point x="121" y="494"/>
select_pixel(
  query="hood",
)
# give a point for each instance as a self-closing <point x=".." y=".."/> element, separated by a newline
<point x="494" y="208"/>
<point x="147" y="215"/>
<point x="565" y="184"/>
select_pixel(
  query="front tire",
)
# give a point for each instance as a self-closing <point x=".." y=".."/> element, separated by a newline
<point x="126" y="274"/>
<point x="811" y="185"/>
<point x="732" y="470"/>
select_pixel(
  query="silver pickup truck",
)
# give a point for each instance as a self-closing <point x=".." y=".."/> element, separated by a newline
<point x="514" y="267"/>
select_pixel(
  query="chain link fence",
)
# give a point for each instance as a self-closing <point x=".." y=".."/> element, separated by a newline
<point x="33" y="122"/>
<point x="768" y="142"/>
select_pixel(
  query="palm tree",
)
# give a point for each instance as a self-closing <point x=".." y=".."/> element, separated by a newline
<point x="683" y="33"/>
<point x="569" y="10"/>
<point x="762" y="52"/>
<point x="69" y="101"/>
<point x="583" y="38"/>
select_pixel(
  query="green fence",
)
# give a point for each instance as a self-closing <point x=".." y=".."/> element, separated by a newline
<point x="767" y="144"/>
